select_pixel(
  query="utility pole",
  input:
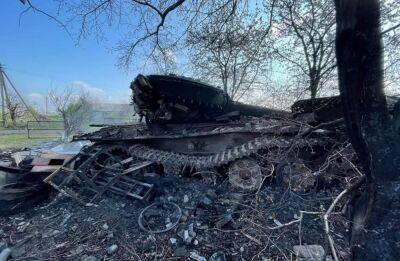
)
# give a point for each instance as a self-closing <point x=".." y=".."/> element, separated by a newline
<point x="46" y="102"/>
<point x="3" y="103"/>
<point x="18" y="94"/>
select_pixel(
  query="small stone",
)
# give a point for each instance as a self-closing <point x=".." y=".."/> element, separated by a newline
<point x="241" y="249"/>
<point x="55" y="232"/>
<point x="218" y="256"/>
<point x="186" y="236"/>
<point x="184" y="218"/>
<point x="105" y="226"/>
<point x="17" y="252"/>
<point x="191" y="230"/>
<point x="206" y="201"/>
<point x="78" y="250"/>
<point x="172" y="240"/>
<point x="309" y="252"/>
<point x="227" y="218"/>
<point x="211" y="193"/>
<point x="123" y="205"/>
<point x="185" y="199"/>
<point x="180" y="252"/>
<point x="195" y="242"/>
<point x="197" y="257"/>
<point x="110" y="235"/>
<point x="192" y="234"/>
<point x="169" y="225"/>
<point x="112" y="249"/>
<point x="329" y="258"/>
<point x="89" y="258"/>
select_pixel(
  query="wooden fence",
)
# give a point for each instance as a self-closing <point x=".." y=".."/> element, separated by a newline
<point x="43" y="126"/>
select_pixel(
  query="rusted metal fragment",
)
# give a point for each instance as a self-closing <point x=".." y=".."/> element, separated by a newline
<point x="16" y="197"/>
<point x="296" y="175"/>
<point x="245" y="174"/>
<point x="100" y="169"/>
<point x="327" y="109"/>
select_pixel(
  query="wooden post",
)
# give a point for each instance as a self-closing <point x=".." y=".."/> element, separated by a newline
<point x="2" y="88"/>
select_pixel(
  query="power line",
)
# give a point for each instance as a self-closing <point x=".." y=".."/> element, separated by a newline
<point x="5" y="98"/>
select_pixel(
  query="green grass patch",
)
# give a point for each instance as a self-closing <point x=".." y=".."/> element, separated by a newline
<point x="46" y="125"/>
<point x="27" y="116"/>
<point x="15" y="141"/>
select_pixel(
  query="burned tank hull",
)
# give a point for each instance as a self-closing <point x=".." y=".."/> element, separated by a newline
<point x="204" y="146"/>
<point x="189" y="127"/>
<point x="189" y="123"/>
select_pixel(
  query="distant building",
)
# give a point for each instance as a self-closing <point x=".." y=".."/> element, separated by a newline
<point x="112" y="113"/>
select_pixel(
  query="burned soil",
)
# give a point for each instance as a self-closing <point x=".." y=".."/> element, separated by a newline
<point x="261" y="225"/>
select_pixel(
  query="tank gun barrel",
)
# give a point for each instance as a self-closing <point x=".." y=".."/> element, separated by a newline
<point x="258" y="111"/>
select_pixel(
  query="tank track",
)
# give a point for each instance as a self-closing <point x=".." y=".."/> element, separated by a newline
<point x="224" y="157"/>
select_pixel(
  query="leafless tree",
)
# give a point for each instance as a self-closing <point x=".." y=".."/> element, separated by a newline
<point x="390" y="17"/>
<point x="304" y="32"/>
<point x="152" y="30"/>
<point x="14" y="108"/>
<point x="72" y="107"/>
<point x="142" y="23"/>
<point x="231" y="49"/>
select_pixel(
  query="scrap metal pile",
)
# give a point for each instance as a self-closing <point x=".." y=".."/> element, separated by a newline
<point x="208" y="170"/>
<point x="192" y="128"/>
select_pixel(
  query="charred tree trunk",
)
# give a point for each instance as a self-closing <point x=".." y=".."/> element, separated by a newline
<point x="314" y="82"/>
<point x="372" y="131"/>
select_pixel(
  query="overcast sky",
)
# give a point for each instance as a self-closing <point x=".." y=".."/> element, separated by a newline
<point x="38" y="56"/>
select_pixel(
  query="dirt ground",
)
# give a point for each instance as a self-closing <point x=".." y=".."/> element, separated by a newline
<point x="259" y="225"/>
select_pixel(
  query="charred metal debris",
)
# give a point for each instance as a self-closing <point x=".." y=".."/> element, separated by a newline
<point x="195" y="165"/>
<point x="191" y="128"/>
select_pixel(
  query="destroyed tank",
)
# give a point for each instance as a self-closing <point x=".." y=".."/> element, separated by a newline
<point x="191" y="128"/>
<point x="189" y="124"/>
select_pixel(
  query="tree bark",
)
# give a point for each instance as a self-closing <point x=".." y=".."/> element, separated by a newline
<point x="372" y="132"/>
<point x="314" y="82"/>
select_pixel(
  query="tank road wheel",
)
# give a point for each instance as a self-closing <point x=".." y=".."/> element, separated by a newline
<point x="245" y="174"/>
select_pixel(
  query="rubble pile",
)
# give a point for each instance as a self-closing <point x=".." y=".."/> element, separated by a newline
<point x="215" y="218"/>
<point x="204" y="178"/>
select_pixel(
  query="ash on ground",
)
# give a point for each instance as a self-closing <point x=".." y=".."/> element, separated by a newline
<point x="218" y="222"/>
